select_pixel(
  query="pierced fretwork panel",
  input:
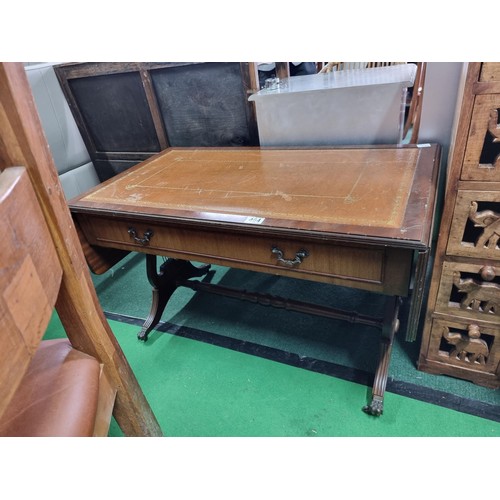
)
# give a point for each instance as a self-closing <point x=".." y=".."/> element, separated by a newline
<point x="462" y="343"/>
<point x="482" y="156"/>
<point x="475" y="294"/>
<point x="470" y="290"/>
<point x="490" y="154"/>
<point x="476" y="228"/>
<point x="468" y="345"/>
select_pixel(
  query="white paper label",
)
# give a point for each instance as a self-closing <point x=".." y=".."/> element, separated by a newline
<point x="254" y="220"/>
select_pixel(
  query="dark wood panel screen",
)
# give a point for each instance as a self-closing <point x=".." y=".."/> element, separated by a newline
<point x="116" y="112"/>
<point x="127" y="112"/>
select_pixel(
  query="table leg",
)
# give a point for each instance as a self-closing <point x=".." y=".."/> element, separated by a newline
<point x="391" y="325"/>
<point x="164" y="284"/>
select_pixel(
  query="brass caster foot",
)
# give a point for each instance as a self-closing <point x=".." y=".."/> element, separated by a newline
<point x="375" y="408"/>
<point x="142" y="336"/>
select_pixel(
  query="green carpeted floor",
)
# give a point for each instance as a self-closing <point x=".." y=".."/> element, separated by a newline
<point x="199" y="386"/>
<point x="197" y="389"/>
<point x="125" y="290"/>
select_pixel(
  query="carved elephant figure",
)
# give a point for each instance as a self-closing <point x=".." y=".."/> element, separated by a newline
<point x="494" y="130"/>
<point x="467" y="347"/>
<point x="493" y="127"/>
<point x="478" y="294"/>
<point x="490" y="222"/>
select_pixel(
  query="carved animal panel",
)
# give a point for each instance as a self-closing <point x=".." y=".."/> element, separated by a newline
<point x="490" y="222"/>
<point x="493" y="126"/>
<point x="494" y="130"/>
<point x="479" y="296"/>
<point x="467" y="348"/>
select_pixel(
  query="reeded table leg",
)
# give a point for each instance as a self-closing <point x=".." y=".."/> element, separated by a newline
<point x="391" y="326"/>
<point x="164" y="284"/>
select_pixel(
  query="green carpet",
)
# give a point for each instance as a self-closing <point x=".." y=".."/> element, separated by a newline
<point x="197" y="389"/>
<point x="125" y="290"/>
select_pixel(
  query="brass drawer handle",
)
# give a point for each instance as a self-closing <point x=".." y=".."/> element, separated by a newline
<point x="299" y="257"/>
<point x="144" y="240"/>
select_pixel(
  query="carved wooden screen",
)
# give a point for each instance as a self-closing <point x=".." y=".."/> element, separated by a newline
<point x="482" y="156"/>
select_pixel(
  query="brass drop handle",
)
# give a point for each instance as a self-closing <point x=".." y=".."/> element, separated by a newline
<point x="299" y="257"/>
<point x="142" y="241"/>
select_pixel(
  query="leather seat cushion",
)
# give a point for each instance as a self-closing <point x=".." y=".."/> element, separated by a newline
<point x="57" y="396"/>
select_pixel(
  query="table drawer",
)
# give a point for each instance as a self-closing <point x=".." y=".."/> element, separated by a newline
<point x="382" y="269"/>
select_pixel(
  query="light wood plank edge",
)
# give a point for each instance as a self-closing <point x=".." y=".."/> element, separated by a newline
<point x="105" y="404"/>
<point x="23" y="143"/>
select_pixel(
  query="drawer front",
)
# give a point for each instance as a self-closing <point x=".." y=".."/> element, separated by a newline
<point x="464" y="346"/>
<point x="475" y="231"/>
<point x="490" y="72"/>
<point x="470" y="290"/>
<point x="380" y="269"/>
<point x="482" y="154"/>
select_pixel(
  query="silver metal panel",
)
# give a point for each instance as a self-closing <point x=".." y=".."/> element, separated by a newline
<point x="362" y="106"/>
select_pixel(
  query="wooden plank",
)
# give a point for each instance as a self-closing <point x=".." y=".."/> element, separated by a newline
<point x="105" y="403"/>
<point x="282" y="70"/>
<point x="480" y="88"/>
<point x="153" y="108"/>
<point x="250" y="80"/>
<point x="490" y="72"/>
<point x="23" y="143"/>
<point x="29" y="279"/>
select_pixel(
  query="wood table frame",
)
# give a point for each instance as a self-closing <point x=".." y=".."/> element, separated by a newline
<point x="355" y="216"/>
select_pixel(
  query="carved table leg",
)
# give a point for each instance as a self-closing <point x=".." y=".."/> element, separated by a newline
<point x="391" y="325"/>
<point x="164" y="284"/>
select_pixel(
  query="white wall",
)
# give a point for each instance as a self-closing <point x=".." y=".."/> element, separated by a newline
<point x="443" y="82"/>
<point x="439" y="104"/>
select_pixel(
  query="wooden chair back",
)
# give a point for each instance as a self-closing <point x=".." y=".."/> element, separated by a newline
<point x="30" y="276"/>
<point x="90" y="339"/>
<point x="47" y="387"/>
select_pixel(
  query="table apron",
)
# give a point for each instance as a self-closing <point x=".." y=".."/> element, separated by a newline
<point x="376" y="268"/>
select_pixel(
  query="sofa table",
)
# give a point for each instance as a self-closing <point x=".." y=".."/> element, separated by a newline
<point x="354" y="216"/>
